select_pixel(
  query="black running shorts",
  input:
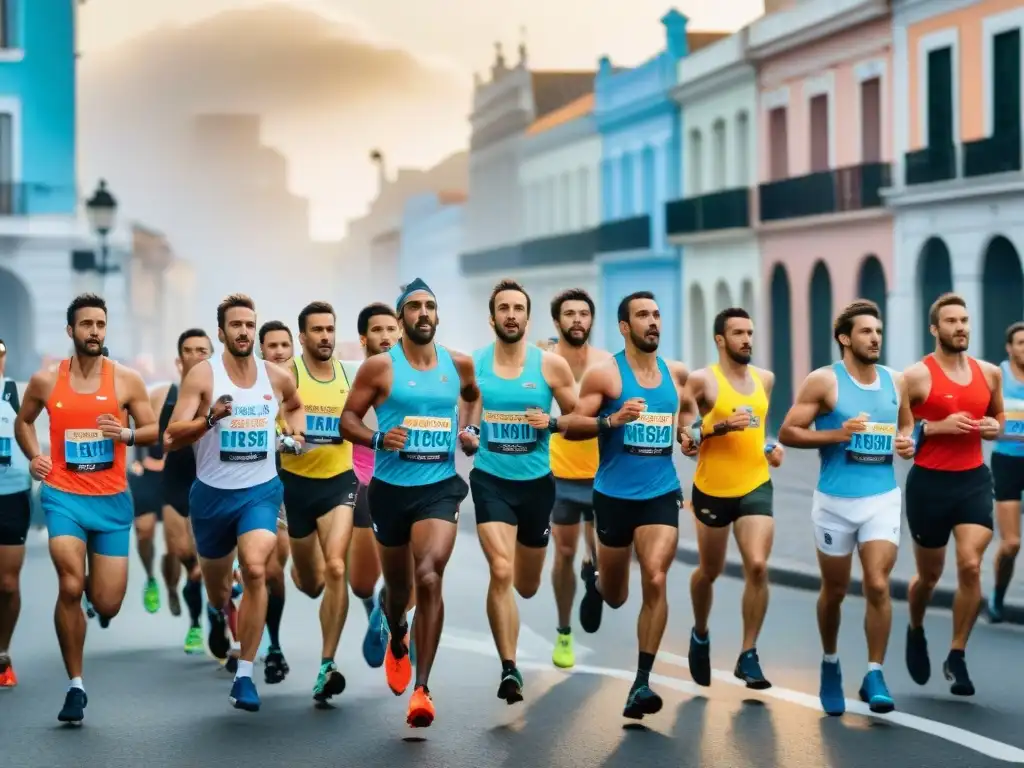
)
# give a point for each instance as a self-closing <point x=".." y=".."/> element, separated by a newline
<point x="574" y="501"/>
<point x="525" y="504"/>
<point x="361" y="513"/>
<point x="147" y="492"/>
<point x="307" y="499"/>
<point x="1008" y="477"/>
<point x="718" y="511"/>
<point x="937" y="501"/>
<point x="15" y="518"/>
<point x="617" y="519"/>
<point x="396" y="508"/>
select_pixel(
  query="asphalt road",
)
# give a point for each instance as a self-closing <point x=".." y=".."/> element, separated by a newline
<point x="152" y="705"/>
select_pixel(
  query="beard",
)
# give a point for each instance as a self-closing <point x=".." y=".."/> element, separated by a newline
<point x="954" y="345"/>
<point x="867" y="356"/>
<point x="742" y="357"/>
<point x="576" y="336"/>
<point x="235" y="350"/>
<point x="88" y="347"/>
<point x="321" y="353"/>
<point x="643" y="343"/>
<point x="509" y="335"/>
<point x="418" y="335"/>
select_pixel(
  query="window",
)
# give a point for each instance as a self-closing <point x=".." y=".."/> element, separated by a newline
<point x="871" y="120"/>
<point x="565" y="206"/>
<point x="628" y="187"/>
<point x="778" y="144"/>
<point x="649" y="170"/>
<point x="607" y="190"/>
<point x="8" y="24"/>
<point x="8" y="188"/>
<point x="696" y="159"/>
<point x="718" y="153"/>
<point x="940" y="98"/>
<point x="742" y="150"/>
<point x="585" y="219"/>
<point x="819" y="131"/>
<point x="1006" y="66"/>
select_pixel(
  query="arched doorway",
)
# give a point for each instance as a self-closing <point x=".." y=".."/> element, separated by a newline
<point x="820" y="304"/>
<point x="723" y="297"/>
<point x="747" y="298"/>
<point x="1002" y="296"/>
<point x="698" y="328"/>
<point x="871" y="286"/>
<point x="17" y="327"/>
<point x="782" y="346"/>
<point x="934" y="278"/>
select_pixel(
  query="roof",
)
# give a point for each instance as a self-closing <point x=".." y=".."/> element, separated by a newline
<point x="582" y="106"/>
<point x="697" y="40"/>
<point x="451" y="197"/>
<point x="553" y="90"/>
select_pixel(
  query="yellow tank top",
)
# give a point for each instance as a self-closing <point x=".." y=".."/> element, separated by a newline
<point x="733" y="464"/>
<point x="573" y="459"/>
<point x="323" y="401"/>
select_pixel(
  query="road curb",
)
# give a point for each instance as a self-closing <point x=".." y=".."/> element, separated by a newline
<point x="798" y="576"/>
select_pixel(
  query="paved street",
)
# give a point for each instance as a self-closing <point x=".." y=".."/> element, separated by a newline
<point x="151" y="704"/>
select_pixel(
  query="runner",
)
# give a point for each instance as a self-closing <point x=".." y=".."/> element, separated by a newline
<point x="631" y="403"/>
<point x="320" y="488"/>
<point x="1007" y="469"/>
<point x="731" y="487"/>
<point x="178" y="474"/>
<point x="377" y="326"/>
<point x="84" y="493"/>
<point x="959" y="402"/>
<point x="513" y="488"/>
<point x="15" y="518"/>
<point x="574" y="464"/>
<point x="276" y="347"/>
<point x="415" y="492"/>
<point x="237" y="494"/>
<point x="861" y="417"/>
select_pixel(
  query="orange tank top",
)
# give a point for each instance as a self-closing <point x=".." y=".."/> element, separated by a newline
<point x="84" y="461"/>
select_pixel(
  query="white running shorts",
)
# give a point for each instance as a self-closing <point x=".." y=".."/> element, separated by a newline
<point x="842" y="524"/>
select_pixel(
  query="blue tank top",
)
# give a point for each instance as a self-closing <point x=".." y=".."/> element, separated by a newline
<point x="14" y="476"/>
<point x="863" y="466"/>
<point x="509" y="447"/>
<point x="426" y="403"/>
<point x="636" y="459"/>
<point x="1013" y="410"/>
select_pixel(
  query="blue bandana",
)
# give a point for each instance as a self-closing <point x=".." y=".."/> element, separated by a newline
<point x="415" y="286"/>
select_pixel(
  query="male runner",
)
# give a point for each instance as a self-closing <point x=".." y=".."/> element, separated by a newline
<point x="861" y="417"/>
<point x="276" y="347"/>
<point x="320" y="488"/>
<point x="574" y="464"/>
<point x="415" y="492"/>
<point x="15" y="518"/>
<point x="731" y="487"/>
<point x="1007" y="469"/>
<point x="228" y="406"/>
<point x="377" y="326"/>
<point x="631" y="402"/>
<point x="511" y="481"/>
<point x="178" y="474"/>
<point x="959" y="402"/>
<point x="84" y="493"/>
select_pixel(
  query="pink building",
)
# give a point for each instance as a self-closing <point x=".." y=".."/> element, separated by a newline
<point x="824" y="148"/>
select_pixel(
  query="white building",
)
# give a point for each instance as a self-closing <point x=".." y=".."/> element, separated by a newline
<point x="714" y="221"/>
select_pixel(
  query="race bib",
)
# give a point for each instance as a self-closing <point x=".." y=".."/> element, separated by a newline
<point x="649" y="435"/>
<point x="323" y="425"/>
<point x="245" y="435"/>
<point x="508" y="432"/>
<point x="87" y="450"/>
<point x="872" y="446"/>
<point x="6" y="447"/>
<point x="429" y="439"/>
<point x="1013" y="410"/>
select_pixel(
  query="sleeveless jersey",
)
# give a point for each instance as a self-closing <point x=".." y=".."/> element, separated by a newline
<point x="84" y="461"/>
<point x="509" y="447"/>
<point x="863" y="466"/>
<point x="239" y="451"/>
<point x="573" y="459"/>
<point x="733" y="464"/>
<point x="14" y="476"/>
<point x="636" y="458"/>
<point x="952" y="452"/>
<point x="1013" y="410"/>
<point x="323" y="401"/>
<point x="179" y="465"/>
<point x="426" y="403"/>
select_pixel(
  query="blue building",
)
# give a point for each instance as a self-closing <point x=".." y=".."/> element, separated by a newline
<point x="640" y="130"/>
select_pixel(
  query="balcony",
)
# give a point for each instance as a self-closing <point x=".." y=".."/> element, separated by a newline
<point x="853" y="188"/>
<point x="930" y="165"/>
<point x="27" y="199"/>
<point x="632" y="234"/>
<point x="996" y="154"/>
<point x="728" y="209"/>
<point x="571" y="248"/>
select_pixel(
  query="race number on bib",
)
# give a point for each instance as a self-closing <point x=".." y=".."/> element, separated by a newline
<point x="1014" y="412"/>
<point x="507" y="432"/>
<point x="87" y="450"/>
<point x="429" y="439"/>
<point x="323" y="428"/>
<point x="6" y="447"/>
<point x="649" y="435"/>
<point x="245" y="438"/>
<point x="872" y="446"/>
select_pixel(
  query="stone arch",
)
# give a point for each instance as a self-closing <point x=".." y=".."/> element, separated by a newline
<point x="781" y="303"/>
<point x="747" y="298"/>
<point x="723" y="296"/>
<point x="1002" y="296"/>
<point x="698" y="327"/>
<point x="17" y="327"/>
<point x="821" y="316"/>
<point x="695" y="158"/>
<point x="934" y="278"/>
<point x="871" y="286"/>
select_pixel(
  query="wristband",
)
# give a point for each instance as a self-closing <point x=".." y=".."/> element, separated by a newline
<point x="604" y="424"/>
<point x="769" y="447"/>
<point x="377" y="441"/>
<point x="553" y="425"/>
<point x="209" y="421"/>
<point x="472" y="429"/>
<point x="128" y="436"/>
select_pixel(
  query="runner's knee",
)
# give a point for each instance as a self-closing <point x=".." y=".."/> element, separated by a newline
<point x="8" y="583"/>
<point x="334" y="569"/>
<point x="969" y="570"/>
<point x="876" y="588"/>
<point x="653" y="585"/>
<point x="756" y="571"/>
<point x="1010" y="546"/>
<point x="501" y="573"/>
<point x="70" y="586"/>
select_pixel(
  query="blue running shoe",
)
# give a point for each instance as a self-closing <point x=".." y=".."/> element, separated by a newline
<point x="831" y="691"/>
<point x="73" y="712"/>
<point x="995" y="609"/>
<point x="90" y="612"/>
<point x="375" y="641"/>
<point x="244" y="695"/>
<point x="875" y="693"/>
<point x="748" y="669"/>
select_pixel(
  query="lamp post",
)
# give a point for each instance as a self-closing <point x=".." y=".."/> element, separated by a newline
<point x="101" y="209"/>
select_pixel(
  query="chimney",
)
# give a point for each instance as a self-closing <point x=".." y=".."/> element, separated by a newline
<point x="377" y="158"/>
<point x="498" y="68"/>
<point x="675" y="33"/>
<point x="604" y="66"/>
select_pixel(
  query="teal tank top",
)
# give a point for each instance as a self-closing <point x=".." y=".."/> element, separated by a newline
<point x="509" y="447"/>
<point x="426" y="403"/>
<point x="14" y="476"/>
<point x="1013" y="409"/>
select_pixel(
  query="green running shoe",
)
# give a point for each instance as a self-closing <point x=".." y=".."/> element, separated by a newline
<point x="330" y="682"/>
<point x="195" y="645"/>
<point x="151" y="596"/>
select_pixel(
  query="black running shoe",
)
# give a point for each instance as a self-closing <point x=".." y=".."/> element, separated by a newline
<point x="73" y="712"/>
<point x="955" y="670"/>
<point x="699" y="659"/>
<point x="217" y="639"/>
<point x="275" y="668"/>
<point x="918" y="664"/>
<point x="641" y="701"/>
<point x="592" y="604"/>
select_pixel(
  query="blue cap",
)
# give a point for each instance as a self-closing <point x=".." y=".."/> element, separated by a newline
<point x="415" y="286"/>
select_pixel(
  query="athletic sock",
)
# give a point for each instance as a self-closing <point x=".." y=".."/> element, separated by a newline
<point x="193" y="594"/>
<point x="368" y="604"/>
<point x="830" y="658"/>
<point x="275" y="610"/>
<point x="244" y="669"/>
<point x="76" y="682"/>
<point x="644" y="665"/>
<point x="874" y="666"/>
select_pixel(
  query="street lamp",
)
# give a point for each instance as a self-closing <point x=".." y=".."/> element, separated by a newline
<point x="101" y="210"/>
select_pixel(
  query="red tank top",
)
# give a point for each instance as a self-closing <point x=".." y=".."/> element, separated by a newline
<point x="953" y="452"/>
<point x="84" y="461"/>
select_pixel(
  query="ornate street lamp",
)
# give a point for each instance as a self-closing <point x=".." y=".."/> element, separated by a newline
<point x="101" y="209"/>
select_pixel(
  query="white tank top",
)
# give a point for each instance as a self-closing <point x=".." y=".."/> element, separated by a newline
<point x="239" y="452"/>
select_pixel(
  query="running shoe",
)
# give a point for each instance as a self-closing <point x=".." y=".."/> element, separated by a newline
<point x="830" y="691"/>
<point x="699" y="658"/>
<point x="641" y="701"/>
<point x="7" y="677"/>
<point x="564" y="655"/>
<point x="194" y="645"/>
<point x="329" y="682"/>
<point x="376" y="639"/>
<point x="748" y="669"/>
<point x="73" y="712"/>
<point x="955" y="671"/>
<point x="511" y="686"/>
<point x="151" y="596"/>
<point x="398" y="671"/>
<point x="275" y="668"/>
<point x="421" y="708"/>
<point x="592" y="604"/>
<point x="217" y="639"/>
<point x="918" y="664"/>
<point x="875" y="693"/>
<point x="244" y="695"/>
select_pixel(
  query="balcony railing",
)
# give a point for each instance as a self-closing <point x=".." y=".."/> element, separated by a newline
<point x="25" y="199"/>
<point x="996" y="154"/>
<point x="571" y="248"/>
<point x="930" y="165"/>
<point x="633" y="234"/>
<point x="727" y="209"/>
<point x="853" y="188"/>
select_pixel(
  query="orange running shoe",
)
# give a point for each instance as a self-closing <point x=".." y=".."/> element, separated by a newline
<point x="7" y="678"/>
<point x="398" y="671"/>
<point x="421" y="708"/>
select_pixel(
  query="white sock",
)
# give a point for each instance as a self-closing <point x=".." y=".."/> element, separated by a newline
<point x="76" y="682"/>
<point x="408" y="616"/>
<point x="244" y="669"/>
<point x="377" y="588"/>
<point x="874" y="667"/>
<point x="831" y="658"/>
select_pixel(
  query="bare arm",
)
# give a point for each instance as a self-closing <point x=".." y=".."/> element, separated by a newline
<point x="366" y="389"/>
<point x="995" y="405"/>
<point x="691" y="399"/>
<point x="594" y="388"/>
<point x="292" y="411"/>
<point x="768" y="382"/>
<point x="139" y="407"/>
<point x="188" y="421"/>
<point x="905" y="420"/>
<point x="32" y="404"/>
<point x="811" y="401"/>
<point x="470" y="402"/>
<point x="559" y="378"/>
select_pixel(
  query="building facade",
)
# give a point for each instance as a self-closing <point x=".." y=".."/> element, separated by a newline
<point x="713" y="221"/>
<point x="824" y="133"/>
<point x="958" y="186"/>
